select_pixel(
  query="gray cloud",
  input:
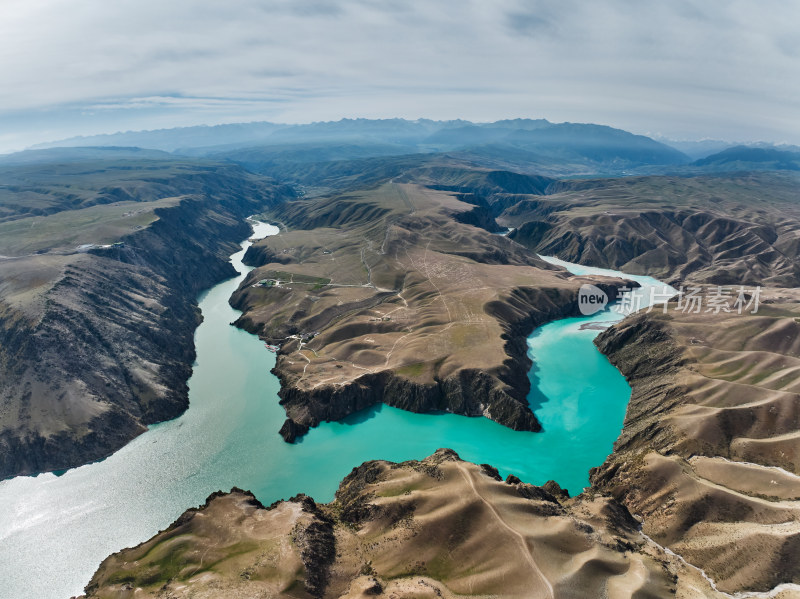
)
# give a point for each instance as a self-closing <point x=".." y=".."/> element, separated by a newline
<point x="686" y="68"/>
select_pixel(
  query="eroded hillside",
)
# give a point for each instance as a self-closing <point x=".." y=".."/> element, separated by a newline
<point x="709" y="455"/>
<point x="742" y="228"/>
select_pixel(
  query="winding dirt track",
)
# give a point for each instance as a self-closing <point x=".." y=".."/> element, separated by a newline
<point x="545" y="585"/>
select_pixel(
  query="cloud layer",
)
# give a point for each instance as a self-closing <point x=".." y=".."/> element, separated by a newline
<point x="685" y="68"/>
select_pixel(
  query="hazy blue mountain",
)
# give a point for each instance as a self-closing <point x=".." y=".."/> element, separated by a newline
<point x="516" y="141"/>
<point x="392" y="131"/>
<point x="468" y="135"/>
<point x="269" y="158"/>
<point x="741" y="158"/>
<point x="545" y="143"/>
<point x="598" y="143"/>
<point x="220" y="137"/>
<point x="529" y="124"/>
<point x="170" y="140"/>
<point x="67" y="154"/>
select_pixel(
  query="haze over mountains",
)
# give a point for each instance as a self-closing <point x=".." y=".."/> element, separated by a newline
<point x="398" y="136"/>
<point x="531" y="145"/>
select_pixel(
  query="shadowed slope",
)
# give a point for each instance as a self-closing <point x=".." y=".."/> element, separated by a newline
<point x="100" y="265"/>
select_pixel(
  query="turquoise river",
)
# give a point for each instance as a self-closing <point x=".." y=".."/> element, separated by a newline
<point x="55" y="530"/>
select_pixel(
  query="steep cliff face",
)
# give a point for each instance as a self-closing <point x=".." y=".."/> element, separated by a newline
<point x="469" y="392"/>
<point x="106" y="346"/>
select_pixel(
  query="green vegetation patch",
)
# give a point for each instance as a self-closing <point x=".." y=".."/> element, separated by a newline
<point x="178" y="558"/>
<point x="414" y="370"/>
<point x="397" y="491"/>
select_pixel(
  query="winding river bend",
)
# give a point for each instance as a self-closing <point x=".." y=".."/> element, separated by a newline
<point x="55" y="530"/>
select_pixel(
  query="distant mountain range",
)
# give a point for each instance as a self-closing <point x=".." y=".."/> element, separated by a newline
<point x="67" y="155"/>
<point x="532" y="146"/>
<point x="512" y="141"/>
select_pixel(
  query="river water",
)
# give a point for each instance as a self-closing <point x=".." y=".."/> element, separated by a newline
<point x="55" y="530"/>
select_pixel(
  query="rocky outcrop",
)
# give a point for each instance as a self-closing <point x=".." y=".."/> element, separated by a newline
<point x="258" y="255"/>
<point x="646" y="353"/>
<point x="316" y="543"/>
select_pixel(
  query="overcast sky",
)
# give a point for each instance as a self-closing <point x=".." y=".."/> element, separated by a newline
<point x="686" y="69"/>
